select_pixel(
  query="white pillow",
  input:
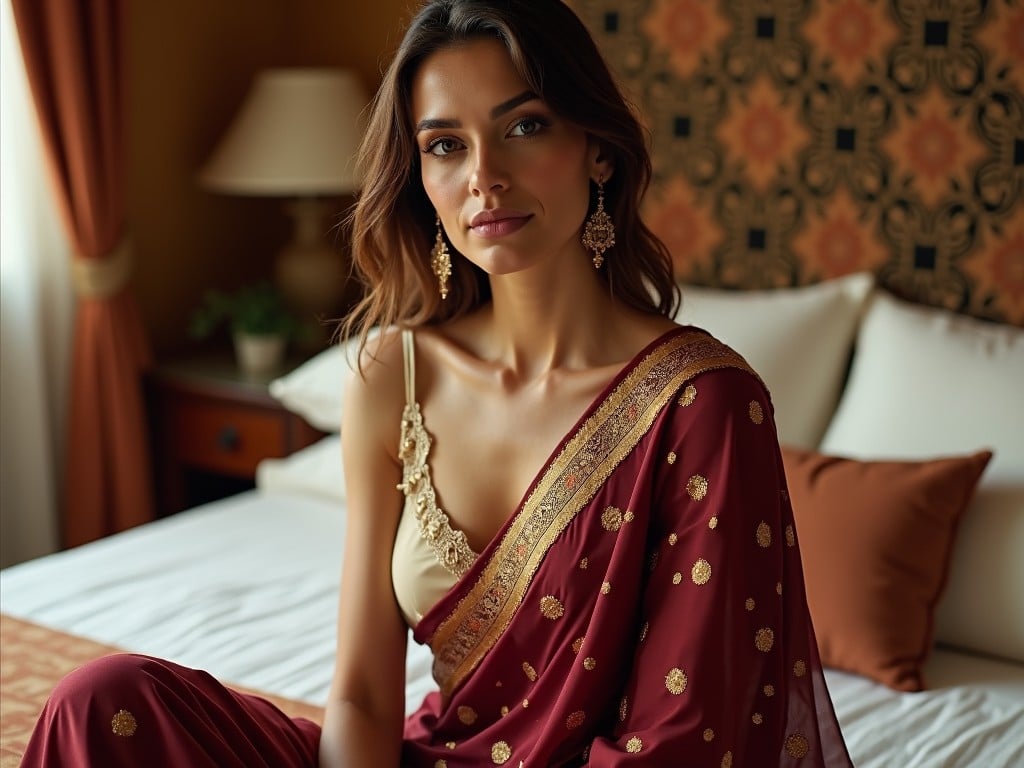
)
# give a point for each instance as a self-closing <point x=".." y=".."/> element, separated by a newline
<point x="926" y="383"/>
<point x="315" y="470"/>
<point x="798" y="340"/>
<point x="316" y="388"/>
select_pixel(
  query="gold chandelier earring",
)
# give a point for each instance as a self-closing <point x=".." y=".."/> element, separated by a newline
<point x="599" y="231"/>
<point x="441" y="260"/>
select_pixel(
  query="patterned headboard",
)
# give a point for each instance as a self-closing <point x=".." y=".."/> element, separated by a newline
<point x="798" y="140"/>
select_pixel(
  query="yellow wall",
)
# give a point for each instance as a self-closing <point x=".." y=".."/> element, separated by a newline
<point x="189" y="65"/>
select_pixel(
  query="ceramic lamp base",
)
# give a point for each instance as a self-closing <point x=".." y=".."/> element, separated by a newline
<point x="310" y="274"/>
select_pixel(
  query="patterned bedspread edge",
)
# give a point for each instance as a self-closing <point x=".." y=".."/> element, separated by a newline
<point x="33" y="658"/>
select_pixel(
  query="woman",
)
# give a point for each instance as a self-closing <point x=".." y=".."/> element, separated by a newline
<point x="638" y="599"/>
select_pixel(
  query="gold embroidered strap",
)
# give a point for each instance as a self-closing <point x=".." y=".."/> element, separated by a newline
<point x="450" y="546"/>
<point x="567" y="486"/>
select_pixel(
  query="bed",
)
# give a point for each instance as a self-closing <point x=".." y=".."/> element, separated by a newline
<point x="245" y="587"/>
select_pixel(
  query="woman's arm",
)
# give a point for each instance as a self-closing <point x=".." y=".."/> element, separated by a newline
<point x="366" y="705"/>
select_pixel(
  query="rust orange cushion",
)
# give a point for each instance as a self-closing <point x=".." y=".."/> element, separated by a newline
<point x="876" y="539"/>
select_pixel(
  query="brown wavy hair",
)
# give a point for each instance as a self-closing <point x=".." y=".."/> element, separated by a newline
<point x="392" y="224"/>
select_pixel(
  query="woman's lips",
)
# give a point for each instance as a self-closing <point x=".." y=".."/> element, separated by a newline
<point x="499" y="227"/>
<point x="498" y="222"/>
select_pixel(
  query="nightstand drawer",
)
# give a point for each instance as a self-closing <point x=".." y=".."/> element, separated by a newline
<point x="211" y="426"/>
<point x="225" y="437"/>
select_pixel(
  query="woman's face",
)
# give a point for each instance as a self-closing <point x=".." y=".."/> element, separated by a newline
<point x="509" y="178"/>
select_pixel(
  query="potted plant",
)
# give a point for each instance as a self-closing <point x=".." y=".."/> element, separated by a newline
<point x="259" y="320"/>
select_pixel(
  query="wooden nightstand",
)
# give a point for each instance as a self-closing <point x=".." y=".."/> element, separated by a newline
<point x="211" y="426"/>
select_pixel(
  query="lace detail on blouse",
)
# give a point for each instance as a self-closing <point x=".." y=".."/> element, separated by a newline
<point x="449" y="545"/>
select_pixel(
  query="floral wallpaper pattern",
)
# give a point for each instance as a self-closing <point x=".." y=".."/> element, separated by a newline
<point x="798" y="140"/>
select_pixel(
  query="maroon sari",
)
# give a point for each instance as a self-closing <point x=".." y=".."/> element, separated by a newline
<point x="645" y="606"/>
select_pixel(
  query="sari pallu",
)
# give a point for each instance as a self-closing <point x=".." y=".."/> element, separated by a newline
<point x="645" y="606"/>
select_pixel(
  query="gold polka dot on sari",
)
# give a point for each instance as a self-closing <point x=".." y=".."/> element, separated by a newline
<point x="763" y="535"/>
<point x="756" y="718"/>
<point x="800" y="668"/>
<point x="797" y="746"/>
<point x="675" y="681"/>
<point x="123" y="723"/>
<point x="584" y="562"/>
<point x="764" y="639"/>
<point x="529" y="671"/>
<point x="441" y="764"/>
<point x="727" y="760"/>
<point x="551" y="607"/>
<point x="500" y="753"/>
<point x="677" y="577"/>
<point x="672" y="539"/>
<point x="589" y="663"/>
<point x="526" y="703"/>
<point x="778" y="587"/>
<point x="749" y="604"/>
<point x="467" y="715"/>
<point x="709" y="734"/>
<point x="755" y="412"/>
<point x="769" y="690"/>
<point x="671" y="459"/>
<point x="611" y="519"/>
<point x="643" y="631"/>
<point x="575" y="720"/>
<point x="623" y="708"/>
<point x="634" y="745"/>
<point x="577" y="644"/>
<point x="503" y="711"/>
<point x="790" y="536"/>
<point x="713" y="522"/>
<point x="701" y="572"/>
<point x="450" y="744"/>
<point x="697" y="487"/>
<point x="606" y="587"/>
<point x="688" y="396"/>
<point x="628" y="516"/>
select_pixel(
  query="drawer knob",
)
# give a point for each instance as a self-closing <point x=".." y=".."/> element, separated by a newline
<point x="228" y="439"/>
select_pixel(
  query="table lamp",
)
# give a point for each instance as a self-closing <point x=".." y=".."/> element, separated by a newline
<point x="296" y="136"/>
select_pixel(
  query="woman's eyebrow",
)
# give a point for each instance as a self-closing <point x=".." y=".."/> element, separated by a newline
<point x="430" y="124"/>
<point x="512" y="103"/>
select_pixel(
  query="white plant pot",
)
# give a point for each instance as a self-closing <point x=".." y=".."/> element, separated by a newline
<point x="259" y="354"/>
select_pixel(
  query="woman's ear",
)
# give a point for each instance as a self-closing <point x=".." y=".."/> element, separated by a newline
<point x="600" y="161"/>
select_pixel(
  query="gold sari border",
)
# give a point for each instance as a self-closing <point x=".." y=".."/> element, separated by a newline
<point x="566" y="487"/>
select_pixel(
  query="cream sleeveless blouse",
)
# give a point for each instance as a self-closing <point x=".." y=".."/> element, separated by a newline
<point x="429" y="555"/>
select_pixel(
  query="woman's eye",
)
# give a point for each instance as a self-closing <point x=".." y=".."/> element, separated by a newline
<point x="526" y="127"/>
<point x="442" y="147"/>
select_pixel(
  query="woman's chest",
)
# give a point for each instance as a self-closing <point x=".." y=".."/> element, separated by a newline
<point x="486" y="454"/>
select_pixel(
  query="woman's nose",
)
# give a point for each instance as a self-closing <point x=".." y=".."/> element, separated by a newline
<point x="487" y="174"/>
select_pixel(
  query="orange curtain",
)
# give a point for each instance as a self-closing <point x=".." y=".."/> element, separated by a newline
<point x="74" y="58"/>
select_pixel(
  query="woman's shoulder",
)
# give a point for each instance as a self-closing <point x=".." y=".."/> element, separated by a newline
<point x="700" y="350"/>
<point x="375" y="392"/>
<point x="380" y="357"/>
<point x="716" y="378"/>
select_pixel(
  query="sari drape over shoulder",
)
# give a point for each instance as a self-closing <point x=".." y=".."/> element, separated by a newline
<point x="645" y="605"/>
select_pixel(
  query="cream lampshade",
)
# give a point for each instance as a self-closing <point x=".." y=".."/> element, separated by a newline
<point x="296" y="136"/>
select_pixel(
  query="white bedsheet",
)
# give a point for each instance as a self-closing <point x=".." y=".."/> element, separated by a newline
<point x="246" y="588"/>
<point x="972" y="715"/>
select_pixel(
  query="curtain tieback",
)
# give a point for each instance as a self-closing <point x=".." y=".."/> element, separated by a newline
<point x="104" y="277"/>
